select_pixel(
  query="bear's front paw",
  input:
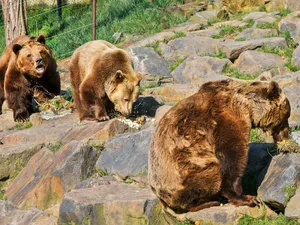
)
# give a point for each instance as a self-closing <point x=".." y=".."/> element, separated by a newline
<point x="21" y="114"/>
<point x="102" y="118"/>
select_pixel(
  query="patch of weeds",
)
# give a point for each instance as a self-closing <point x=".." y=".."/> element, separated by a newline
<point x="239" y="15"/>
<point x="219" y="54"/>
<point x="285" y="12"/>
<point x="129" y="180"/>
<point x="262" y="8"/>
<point x="174" y="65"/>
<point x="56" y="105"/>
<point x="241" y="39"/>
<point x="144" y="87"/>
<point x="268" y="26"/>
<point x="179" y="34"/>
<point x="289" y="40"/>
<point x="23" y="125"/>
<point x="289" y="191"/>
<point x="255" y="136"/>
<point x="55" y="146"/>
<point x="296" y="128"/>
<point x="233" y="72"/>
<point x="280" y="220"/>
<point x="14" y="174"/>
<point x="217" y="36"/>
<point x="102" y="172"/>
<point x="214" y="20"/>
<point x="155" y="46"/>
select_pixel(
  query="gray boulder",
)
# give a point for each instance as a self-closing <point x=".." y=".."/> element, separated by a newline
<point x="255" y="33"/>
<point x="292" y="24"/>
<point x="296" y="57"/>
<point x="127" y="154"/>
<point x="147" y="61"/>
<point x="283" y="172"/>
<point x="200" y="69"/>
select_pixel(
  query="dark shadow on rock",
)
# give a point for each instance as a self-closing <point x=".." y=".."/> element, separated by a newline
<point x="259" y="159"/>
<point x="145" y="106"/>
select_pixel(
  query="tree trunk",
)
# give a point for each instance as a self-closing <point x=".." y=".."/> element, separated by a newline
<point x="59" y="10"/>
<point x="15" y="18"/>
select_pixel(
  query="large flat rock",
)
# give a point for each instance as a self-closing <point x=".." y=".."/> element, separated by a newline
<point x="200" y="69"/>
<point x="291" y="23"/>
<point x="48" y="175"/>
<point x="126" y="155"/>
<point x="112" y="204"/>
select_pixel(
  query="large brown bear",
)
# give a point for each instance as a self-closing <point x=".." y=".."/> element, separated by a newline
<point x="27" y="63"/>
<point x="199" y="151"/>
<point x="102" y="78"/>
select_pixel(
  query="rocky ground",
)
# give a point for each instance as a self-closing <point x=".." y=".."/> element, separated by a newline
<point x="56" y="170"/>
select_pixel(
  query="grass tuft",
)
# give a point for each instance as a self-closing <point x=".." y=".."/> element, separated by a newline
<point x="280" y="220"/>
<point x="289" y="192"/>
<point x="54" y="147"/>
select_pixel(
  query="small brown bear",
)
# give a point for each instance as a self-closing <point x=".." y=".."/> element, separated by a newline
<point x="27" y="63"/>
<point x="102" y="78"/>
<point x="199" y="151"/>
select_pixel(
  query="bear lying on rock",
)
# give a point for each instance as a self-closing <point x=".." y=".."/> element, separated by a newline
<point x="27" y="63"/>
<point x="102" y="78"/>
<point x="199" y="151"/>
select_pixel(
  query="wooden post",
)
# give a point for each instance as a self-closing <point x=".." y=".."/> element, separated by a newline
<point x="94" y="18"/>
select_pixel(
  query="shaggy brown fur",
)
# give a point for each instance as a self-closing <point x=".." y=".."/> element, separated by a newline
<point x="102" y="78"/>
<point x="26" y="63"/>
<point x="199" y="152"/>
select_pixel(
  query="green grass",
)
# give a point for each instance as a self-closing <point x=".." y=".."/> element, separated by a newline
<point x="102" y="172"/>
<point x="262" y="8"/>
<point x="23" y="125"/>
<point x="54" y="147"/>
<point x="285" y="12"/>
<point x="219" y="54"/>
<point x="233" y="72"/>
<point x="139" y="17"/>
<point x="280" y="220"/>
<point x="144" y="87"/>
<point x="289" y="192"/>
<point x="255" y="136"/>
<point x="175" y="64"/>
<point x="268" y="26"/>
<point x="185" y="223"/>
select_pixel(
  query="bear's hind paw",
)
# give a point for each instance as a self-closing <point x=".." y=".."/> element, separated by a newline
<point x="102" y="118"/>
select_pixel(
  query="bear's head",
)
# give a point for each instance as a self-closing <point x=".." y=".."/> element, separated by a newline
<point x="125" y="91"/>
<point x="32" y="58"/>
<point x="270" y="109"/>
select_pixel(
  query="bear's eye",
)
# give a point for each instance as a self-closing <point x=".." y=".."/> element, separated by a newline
<point x="41" y="52"/>
<point x="29" y="55"/>
<point x="126" y="100"/>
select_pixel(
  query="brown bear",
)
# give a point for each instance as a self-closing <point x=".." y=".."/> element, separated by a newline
<point x="199" y="151"/>
<point x="102" y="77"/>
<point x="27" y="64"/>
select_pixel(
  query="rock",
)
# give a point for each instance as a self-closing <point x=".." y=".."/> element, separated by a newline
<point x="126" y="155"/>
<point x="296" y="57"/>
<point x="264" y="20"/>
<point x="268" y="75"/>
<point x="148" y="41"/>
<point x="183" y="47"/>
<point x="233" y="49"/>
<point x="283" y="171"/>
<point x="292" y="5"/>
<point x="226" y="214"/>
<point x="185" y="27"/>
<point x="36" y="119"/>
<point x="7" y="122"/>
<point x="251" y="62"/>
<point x="146" y="106"/>
<point x="274" y="5"/>
<point x="173" y="93"/>
<point x="204" y="33"/>
<point x="48" y="175"/>
<point x="147" y="61"/>
<point x="10" y="215"/>
<point x="291" y="23"/>
<point x="232" y="23"/>
<point x="296" y="137"/>
<point x="294" y="98"/>
<point x="188" y="8"/>
<point x="161" y="111"/>
<point x="256" y="16"/>
<point x="255" y="33"/>
<point x="292" y="209"/>
<point x="200" y="69"/>
<point x="204" y="17"/>
<point x="288" y="79"/>
<point x="95" y="182"/>
<point x="14" y="157"/>
<point x="112" y="204"/>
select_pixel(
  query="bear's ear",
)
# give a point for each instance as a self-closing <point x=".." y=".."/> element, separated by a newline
<point x="17" y="48"/>
<point x="41" y="39"/>
<point x="274" y="90"/>
<point x="119" y="75"/>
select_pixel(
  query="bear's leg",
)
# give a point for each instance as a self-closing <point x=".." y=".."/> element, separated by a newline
<point x="100" y="111"/>
<point x="1" y="97"/>
<point x="87" y="101"/>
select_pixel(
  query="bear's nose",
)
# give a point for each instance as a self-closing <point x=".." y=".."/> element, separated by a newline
<point x="39" y="60"/>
